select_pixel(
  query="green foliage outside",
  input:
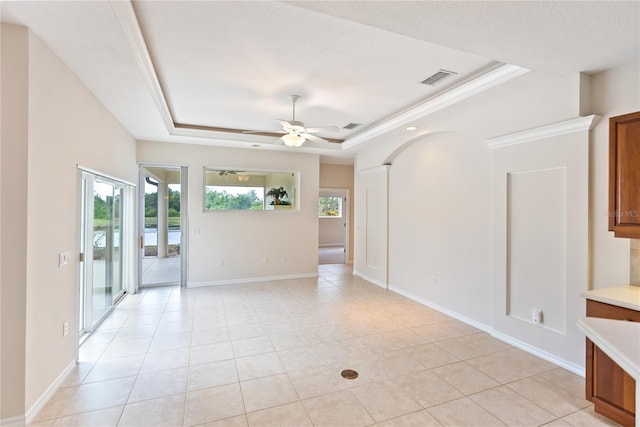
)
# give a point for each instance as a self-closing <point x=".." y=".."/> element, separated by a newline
<point x="102" y="211"/>
<point x="221" y="200"/>
<point x="151" y="209"/>
<point x="330" y="206"/>
<point x="151" y="204"/>
<point x="100" y="207"/>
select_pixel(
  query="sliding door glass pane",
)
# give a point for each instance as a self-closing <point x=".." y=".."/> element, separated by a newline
<point x="103" y="244"/>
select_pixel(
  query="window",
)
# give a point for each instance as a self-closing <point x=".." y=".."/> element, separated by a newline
<point x="241" y="190"/>
<point x="330" y="207"/>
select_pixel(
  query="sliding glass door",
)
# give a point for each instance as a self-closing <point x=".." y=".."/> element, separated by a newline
<point x="103" y="240"/>
<point x="107" y="241"/>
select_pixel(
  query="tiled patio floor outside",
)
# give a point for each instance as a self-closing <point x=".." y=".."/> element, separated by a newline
<point x="270" y="354"/>
<point x="156" y="271"/>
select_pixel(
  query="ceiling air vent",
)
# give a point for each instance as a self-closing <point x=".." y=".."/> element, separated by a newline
<point x="432" y="80"/>
<point x="351" y="126"/>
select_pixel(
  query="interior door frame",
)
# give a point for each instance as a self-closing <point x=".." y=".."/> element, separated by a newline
<point x="184" y="219"/>
<point x="346" y="216"/>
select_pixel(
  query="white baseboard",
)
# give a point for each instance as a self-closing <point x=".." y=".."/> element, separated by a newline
<point x="570" y="366"/>
<point x="441" y="309"/>
<point x="13" y="422"/>
<point x="330" y="245"/>
<point x="370" y="279"/>
<point x="48" y="393"/>
<point x="249" y="280"/>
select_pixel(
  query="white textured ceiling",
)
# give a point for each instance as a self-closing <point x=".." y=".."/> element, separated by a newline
<point x="552" y="36"/>
<point x="233" y="64"/>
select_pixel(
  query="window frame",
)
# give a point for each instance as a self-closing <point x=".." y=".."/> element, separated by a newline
<point x="289" y="179"/>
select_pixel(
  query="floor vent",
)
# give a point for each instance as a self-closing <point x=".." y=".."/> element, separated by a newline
<point x="433" y="79"/>
<point x="349" y="374"/>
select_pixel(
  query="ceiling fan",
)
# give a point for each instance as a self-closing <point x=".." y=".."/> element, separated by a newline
<point x="242" y="175"/>
<point x="223" y="172"/>
<point x="295" y="133"/>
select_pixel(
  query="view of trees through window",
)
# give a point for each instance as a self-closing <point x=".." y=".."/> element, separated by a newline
<point x="330" y="207"/>
<point x="151" y="207"/>
<point x="239" y="189"/>
<point x="102" y="208"/>
<point x="234" y="198"/>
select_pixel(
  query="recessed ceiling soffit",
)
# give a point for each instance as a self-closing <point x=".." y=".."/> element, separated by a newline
<point x="489" y="75"/>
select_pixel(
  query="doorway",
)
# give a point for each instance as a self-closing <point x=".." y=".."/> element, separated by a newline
<point x="106" y="235"/>
<point x="333" y="226"/>
<point x="162" y="221"/>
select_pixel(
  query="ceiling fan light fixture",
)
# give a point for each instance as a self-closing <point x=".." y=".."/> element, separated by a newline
<point x="293" y="140"/>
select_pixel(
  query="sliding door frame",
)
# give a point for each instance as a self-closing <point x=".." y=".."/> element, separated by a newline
<point x="127" y="229"/>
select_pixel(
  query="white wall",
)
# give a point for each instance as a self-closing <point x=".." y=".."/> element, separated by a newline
<point x="440" y="222"/>
<point x="14" y="219"/>
<point x="331" y="232"/>
<point x="372" y="225"/>
<point x="66" y="126"/>
<point x="242" y="240"/>
<point x="440" y="198"/>
<point x="614" y="92"/>
<point x="540" y="241"/>
<point x="1" y="240"/>
<point x="531" y="100"/>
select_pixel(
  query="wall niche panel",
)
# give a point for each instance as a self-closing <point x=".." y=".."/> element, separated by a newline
<point x="537" y="215"/>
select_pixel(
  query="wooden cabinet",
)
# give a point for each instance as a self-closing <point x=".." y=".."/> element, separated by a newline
<point x="611" y="389"/>
<point x="624" y="175"/>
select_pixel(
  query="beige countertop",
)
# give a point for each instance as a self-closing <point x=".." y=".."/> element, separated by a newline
<point x="621" y="296"/>
<point x="620" y="340"/>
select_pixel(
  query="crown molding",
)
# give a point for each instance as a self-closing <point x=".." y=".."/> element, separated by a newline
<point x="565" y="127"/>
<point x="374" y="169"/>
<point x="132" y="32"/>
<point x="466" y="90"/>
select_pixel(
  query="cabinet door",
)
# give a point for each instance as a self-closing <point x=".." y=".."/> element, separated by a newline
<point x="624" y="175"/>
<point x="608" y="386"/>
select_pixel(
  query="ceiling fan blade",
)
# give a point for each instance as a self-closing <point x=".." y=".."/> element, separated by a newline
<point x="263" y="132"/>
<point x="314" y="138"/>
<point x="284" y="123"/>
<point x="323" y="129"/>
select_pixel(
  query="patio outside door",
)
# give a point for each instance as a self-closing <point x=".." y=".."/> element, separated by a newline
<point x="163" y="219"/>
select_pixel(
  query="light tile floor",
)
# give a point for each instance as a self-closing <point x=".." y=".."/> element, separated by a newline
<point x="331" y="255"/>
<point x="270" y="354"/>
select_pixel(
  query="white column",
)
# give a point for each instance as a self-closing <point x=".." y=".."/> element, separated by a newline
<point x="163" y="219"/>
